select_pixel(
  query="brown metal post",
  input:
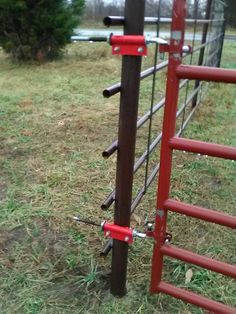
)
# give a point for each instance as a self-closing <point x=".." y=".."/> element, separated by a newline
<point x="204" y="39"/>
<point x="130" y="84"/>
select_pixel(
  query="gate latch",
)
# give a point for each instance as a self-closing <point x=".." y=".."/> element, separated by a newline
<point x="132" y="45"/>
<point x="116" y="232"/>
<point x="125" y="234"/>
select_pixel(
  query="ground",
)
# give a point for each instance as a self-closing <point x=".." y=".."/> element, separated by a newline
<point x="54" y="125"/>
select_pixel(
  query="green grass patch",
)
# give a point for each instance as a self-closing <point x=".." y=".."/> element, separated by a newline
<point x="54" y="125"/>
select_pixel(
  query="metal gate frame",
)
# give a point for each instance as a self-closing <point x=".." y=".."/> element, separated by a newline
<point x="170" y="142"/>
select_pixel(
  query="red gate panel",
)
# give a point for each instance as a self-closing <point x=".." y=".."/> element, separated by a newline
<point x="177" y="71"/>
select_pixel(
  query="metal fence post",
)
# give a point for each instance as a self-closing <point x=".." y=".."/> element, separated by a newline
<point x="130" y="84"/>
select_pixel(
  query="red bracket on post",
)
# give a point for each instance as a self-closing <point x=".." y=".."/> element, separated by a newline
<point x="130" y="45"/>
<point x="117" y="232"/>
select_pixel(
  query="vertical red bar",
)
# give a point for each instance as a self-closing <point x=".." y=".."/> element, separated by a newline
<point x="172" y="92"/>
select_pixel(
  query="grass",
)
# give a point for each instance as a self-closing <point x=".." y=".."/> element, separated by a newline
<point x="54" y="124"/>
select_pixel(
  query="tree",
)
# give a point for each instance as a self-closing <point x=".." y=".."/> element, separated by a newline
<point x="37" y="29"/>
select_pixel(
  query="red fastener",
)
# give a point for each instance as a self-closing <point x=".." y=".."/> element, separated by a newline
<point x="131" y="45"/>
<point x="117" y="232"/>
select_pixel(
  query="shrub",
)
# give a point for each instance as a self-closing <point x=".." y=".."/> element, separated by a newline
<point x="37" y="29"/>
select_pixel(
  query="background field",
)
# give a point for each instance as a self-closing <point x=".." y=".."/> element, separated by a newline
<point x="54" y="123"/>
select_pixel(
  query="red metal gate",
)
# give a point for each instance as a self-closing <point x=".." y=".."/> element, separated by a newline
<point x="170" y="142"/>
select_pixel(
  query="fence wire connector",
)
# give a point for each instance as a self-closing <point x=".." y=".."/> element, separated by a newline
<point x="125" y="234"/>
<point x="149" y="229"/>
<point x="113" y="231"/>
<point x="168" y="237"/>
<point x="187" y="49"/>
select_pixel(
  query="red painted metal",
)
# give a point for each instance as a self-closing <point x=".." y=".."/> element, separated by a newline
<point x="190" y="297"/>
<point x="164" y="48"/>
<point x="203" y="73"/>
<point x="176" y="44"/>
<point x="201" y="213"/>
<point x="176" y="72"/>
<point x="130" y="45"/>
<point x="199" y="260"/>
<point x="214" y="150"/>
<point x="117" y="232"/>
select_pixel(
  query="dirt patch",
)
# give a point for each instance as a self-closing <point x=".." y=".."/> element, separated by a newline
<point x="26" y="104"/>
<point x="7" y="238"/>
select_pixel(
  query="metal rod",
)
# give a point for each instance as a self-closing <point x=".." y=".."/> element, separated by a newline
<point x="199" y="260"/>
<point x="201" y="213"/>
<point x="203" y="73"/>
<point x="88" y="38"/>
<point x="110" y="150"/>
<point x="87" y="222"/>
<point x="107" y="248"/>
<point x="120" y="20"/>
<point x="130" y="85"/>
<point x="194" y="298"/>
<point x="116" y="88"/>
<point x="109" y="201"/>
<point x="204" y="148"/>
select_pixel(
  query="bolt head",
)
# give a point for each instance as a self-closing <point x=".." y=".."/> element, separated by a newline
<point x="108" y="233"/>
<point x="117" y="49"/>
<point x="140" y="49"/>
<point x="126" y="239"/>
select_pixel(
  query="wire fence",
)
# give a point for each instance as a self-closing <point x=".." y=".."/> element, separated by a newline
<point x="205" y="36"/>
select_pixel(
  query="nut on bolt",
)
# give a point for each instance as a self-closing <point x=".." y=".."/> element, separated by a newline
<point x="126" y="239"/>
<point x="140" y="49"/>
<point x="117" y="49"/>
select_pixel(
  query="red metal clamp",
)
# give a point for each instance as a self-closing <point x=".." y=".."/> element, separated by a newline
<point x="117" y="232"/>
<point x="125" y="234"/>
<point x="131" y="45"/>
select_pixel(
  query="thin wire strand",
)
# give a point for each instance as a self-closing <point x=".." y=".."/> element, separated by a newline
<point x="152" y="98"/>
<point x="209" y="38"/>
<point x="196" y="6"/>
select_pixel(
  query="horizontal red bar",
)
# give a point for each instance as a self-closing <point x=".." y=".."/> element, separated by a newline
<point x="202" y="261"/>
<point x="203" y="73"/>
<point x="204" y="148"/>
<point x="201" y="213"/>
<point x="194" y="298"/>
